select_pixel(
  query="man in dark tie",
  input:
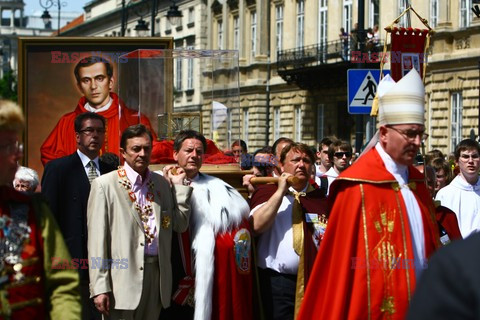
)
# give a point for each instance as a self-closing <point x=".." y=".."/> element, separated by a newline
<point x="66" y="185"/>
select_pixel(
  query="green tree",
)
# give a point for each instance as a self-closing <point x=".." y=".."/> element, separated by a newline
<point x="8" y="86"/>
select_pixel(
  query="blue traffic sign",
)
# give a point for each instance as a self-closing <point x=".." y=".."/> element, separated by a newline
<point x="362" y="87"/>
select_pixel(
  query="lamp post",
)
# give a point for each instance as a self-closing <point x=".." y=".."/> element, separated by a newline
<point x="173" y="14"/>
<point x="47" y="4"/>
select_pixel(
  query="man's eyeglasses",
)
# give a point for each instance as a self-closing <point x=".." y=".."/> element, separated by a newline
<point x="341" y="154"/>
<point x="12" y="148"/>
<point x="411" y="134"/>
<point x="90" y="131"/>
<point x="466" y="157"/>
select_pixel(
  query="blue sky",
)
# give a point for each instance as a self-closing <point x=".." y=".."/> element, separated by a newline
<point x="71" y="5"/>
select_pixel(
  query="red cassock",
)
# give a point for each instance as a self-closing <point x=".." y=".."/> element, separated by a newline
<point x="61" y="141"/>
<point x="364" y="268"/>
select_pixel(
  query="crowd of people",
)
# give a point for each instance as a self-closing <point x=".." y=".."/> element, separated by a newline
<point x="328" y="234"/>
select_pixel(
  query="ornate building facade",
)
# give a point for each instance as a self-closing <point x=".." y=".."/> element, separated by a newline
<point x="293" y="62"/>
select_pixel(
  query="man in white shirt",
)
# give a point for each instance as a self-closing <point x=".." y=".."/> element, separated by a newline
<point x="462" y="195"/>
<point x="280" y="256"/>
<point x="340" y="154"/>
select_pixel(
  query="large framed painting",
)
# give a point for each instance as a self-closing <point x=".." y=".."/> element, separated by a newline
<point x="47" y="87"/>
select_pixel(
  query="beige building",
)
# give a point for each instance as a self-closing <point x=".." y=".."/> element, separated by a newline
<point x="293" y="64"/>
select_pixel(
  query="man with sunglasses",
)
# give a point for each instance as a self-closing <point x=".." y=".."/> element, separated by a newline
<point x="381" y="227"/>
<point x="462" y="195"/>
<point x="66" y="185"/>
<point x="339" y="154"/>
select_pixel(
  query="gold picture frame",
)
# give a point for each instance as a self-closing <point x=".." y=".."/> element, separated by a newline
<point x="46" y="83"/>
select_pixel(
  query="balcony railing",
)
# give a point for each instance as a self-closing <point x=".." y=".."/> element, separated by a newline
<point x="318" y="54"/>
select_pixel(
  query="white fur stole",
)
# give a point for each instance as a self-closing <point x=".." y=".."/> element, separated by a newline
<point x="217" y="207"/>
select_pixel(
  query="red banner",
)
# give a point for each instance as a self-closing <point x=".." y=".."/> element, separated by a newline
<point x="407" y="51"/>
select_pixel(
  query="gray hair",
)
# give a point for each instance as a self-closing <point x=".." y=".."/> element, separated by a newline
<point x="27" y="174"/>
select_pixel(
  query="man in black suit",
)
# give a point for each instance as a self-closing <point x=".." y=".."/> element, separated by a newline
<point x="66" y="185"/>
<point x="449" y="289"/>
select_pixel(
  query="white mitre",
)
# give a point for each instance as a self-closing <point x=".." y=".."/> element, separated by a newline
<point x="403" y="101"/>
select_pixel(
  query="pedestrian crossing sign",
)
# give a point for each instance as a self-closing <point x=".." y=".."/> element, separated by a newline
<point x="362" y="87"/>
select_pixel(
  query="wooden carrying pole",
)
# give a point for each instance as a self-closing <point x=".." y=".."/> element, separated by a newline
<point x="264" y="180"/>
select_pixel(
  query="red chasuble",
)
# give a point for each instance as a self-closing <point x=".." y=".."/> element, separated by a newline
<point x="364" y="268"/>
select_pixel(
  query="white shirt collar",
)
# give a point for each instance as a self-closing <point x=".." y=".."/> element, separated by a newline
<point x="104" y="108"/>
<point x="462" y="184"/>
<point x="85" y="160"/>
<point x="399" y="171"/>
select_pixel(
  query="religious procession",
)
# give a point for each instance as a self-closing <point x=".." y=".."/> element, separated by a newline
<point x="142" y="181"/>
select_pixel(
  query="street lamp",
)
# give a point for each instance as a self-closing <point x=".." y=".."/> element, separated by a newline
<point x="141" y="28"/>
<point x="46" y="17"/>
<point x="140" y="9"/>
<point x="173" y="14"/>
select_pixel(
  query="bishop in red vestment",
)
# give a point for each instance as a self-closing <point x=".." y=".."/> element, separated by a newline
<point x="382" y="225"/>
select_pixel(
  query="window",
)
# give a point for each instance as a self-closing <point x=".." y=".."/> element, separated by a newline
<point x="157" y="25"/>
<point x="374" y="12"/>
<point x="322" y="21"/>
<point x="236" y="33"/>
<point x="465" y="13"/>
<point x="220" y="35"/>
<point x="298" y="123"/>
<point x="245" y="125"/>
<point x="253" y="32"/>
<point x="300" y="22"/>
<point x="190" y="71"/>
<point x="279" y="27"/>
<point x="191" y="15"/>
<point x="178" y="78"/>
<point x="433" y="13"/>
<point x="456" y="118"/>
<point x="276" y="123"/>
<point x="320" y="121"/>
<point x="347" y="15"/>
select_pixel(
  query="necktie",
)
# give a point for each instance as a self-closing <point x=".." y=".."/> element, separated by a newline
<point x="92" y="171"/>
<point x="297" y="222"/>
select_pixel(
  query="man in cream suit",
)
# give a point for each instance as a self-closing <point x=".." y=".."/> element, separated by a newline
<point x="131" y="215"/>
